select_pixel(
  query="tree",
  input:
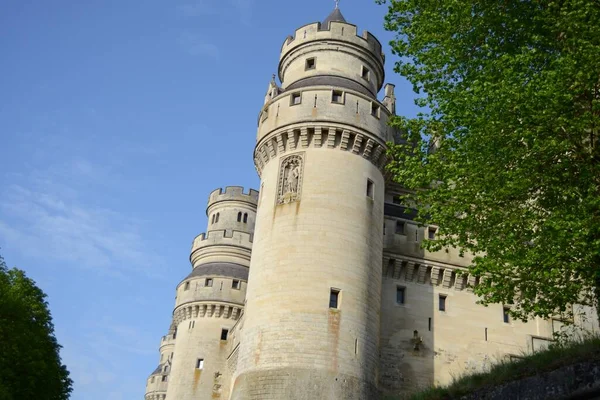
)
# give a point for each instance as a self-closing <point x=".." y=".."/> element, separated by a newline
<point x="30" y="364"/>
<point x="504" y="156"/>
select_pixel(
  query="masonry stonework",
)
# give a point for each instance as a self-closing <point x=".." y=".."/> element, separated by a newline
<point x="317" y="287"/>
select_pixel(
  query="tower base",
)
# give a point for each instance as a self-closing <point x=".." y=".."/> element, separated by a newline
<point x="301" y="384"/>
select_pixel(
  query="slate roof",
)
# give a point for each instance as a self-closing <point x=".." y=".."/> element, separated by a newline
<point x="231" y="270"/>
<point x="330" y="80"/>
<point x="336" y="15"/>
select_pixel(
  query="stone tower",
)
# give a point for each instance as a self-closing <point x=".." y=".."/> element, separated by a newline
<point x="311" y="325"/>
<point x="208" y="302"/>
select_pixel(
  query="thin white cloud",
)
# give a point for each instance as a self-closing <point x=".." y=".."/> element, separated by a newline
<point x="46" y="216"/>
<point x="196" y="45"/>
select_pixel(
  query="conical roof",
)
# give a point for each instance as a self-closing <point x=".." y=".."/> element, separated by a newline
<point x="336" y="15"/>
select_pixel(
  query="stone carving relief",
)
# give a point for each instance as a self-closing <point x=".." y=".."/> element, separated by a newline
<point x="290" y="179"/>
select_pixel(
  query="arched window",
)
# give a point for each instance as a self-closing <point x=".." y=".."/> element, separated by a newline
<point x="245" y="218"/>
<point x="217" y="218"/>
<point x="239" y="217"/>
<point x="213" y="219"/>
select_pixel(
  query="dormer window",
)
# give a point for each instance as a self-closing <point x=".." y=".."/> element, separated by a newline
<point x="337" y="96"/>
<point x="311" y="63"/>
<point x="365" y="73"/>
<point x="295" y="99"/>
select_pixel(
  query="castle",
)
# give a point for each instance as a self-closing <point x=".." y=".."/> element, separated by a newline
<point x="316" y="286"/>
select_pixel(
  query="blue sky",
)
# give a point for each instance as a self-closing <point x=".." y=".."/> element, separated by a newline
<point x="117" y="118"/>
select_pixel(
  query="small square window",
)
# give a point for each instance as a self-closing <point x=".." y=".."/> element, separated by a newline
<point x="365" y="73"/>
<point x="208" y="282"/>
<point x="224" y="333"/>
<point x="164" y="378"/>
<point x="400" y="295"/>
<point x="200" y="363"/>
<point x="506" y="315"/>
<point x="442" y="302"/>
<point x="375" y="110"/>
<point x="311" y="63"/>
<point x="431" y="233"/>
<point x="295" y="99"/>
<point x="334" y="297"/>
<point x="400" y="227"/>
<point x="337" y="96"/>
<point x="370" y="188"/>
<point x="236" y="284"/>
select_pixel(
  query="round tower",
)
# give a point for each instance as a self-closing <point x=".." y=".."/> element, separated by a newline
<point x="210" y="299"/>
<point x="311" y="324"/>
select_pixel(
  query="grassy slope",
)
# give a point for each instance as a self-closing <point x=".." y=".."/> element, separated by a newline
<point x="558" y="355"/>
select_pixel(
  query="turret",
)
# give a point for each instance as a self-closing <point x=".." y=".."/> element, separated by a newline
<point x="210" y="299"/>
<point x="311" y="322"/>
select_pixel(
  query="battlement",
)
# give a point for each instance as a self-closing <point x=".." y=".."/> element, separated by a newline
<point x="222" y="238"/>
<point x="233" y="193"/>
<point x="338" y="31"/>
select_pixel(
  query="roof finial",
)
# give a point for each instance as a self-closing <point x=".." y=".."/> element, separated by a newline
<point x="337" y="3"/>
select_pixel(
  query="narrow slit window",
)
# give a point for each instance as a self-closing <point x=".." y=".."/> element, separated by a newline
<point x="186" y="286"/>
<point x="239" y="219"/>
<point x="375" y="110"/>
<point x="337" y="96"/>
<point x="442" y="302"/>
<point x="224" y="333"/>
<point x="295" y="99"/>
<point x="400" y="227"/>
<point x="245" y="218"/>
<point x="164" y="378"/>
<point x="429" y="324"/>
<point x="217" y="218"/>
<point x="208" y="282"/>
<point x="213" y="219"/>
<point x="334" y="297"/>
<point x="370" y="188"/>
<point x="431" y="233"/>
<point x="506" y="315"/>
<point x="200" y="363"/>
<point x="311" y="63"/>
<point x="400" y="295"/>
<point x="365" y="73"/>
<point x="236" y="284"/>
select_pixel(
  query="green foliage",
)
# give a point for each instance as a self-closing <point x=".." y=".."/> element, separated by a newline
<point x="556" y="356"/>
<point x="30" y="365"/>
<point x="507" y="143"/>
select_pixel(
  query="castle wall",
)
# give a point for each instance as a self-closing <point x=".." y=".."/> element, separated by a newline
<point x="463" y="338"/>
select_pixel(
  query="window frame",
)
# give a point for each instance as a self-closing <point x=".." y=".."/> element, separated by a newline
<point x="401" y="289"/>
<point x="311" y="67"/>
<point x="295" y="95"/>
<point x="442" y="302"/>
<point x="337" y="292"/>
<point x="341" y="94"/>
<point x="208" y="282"/>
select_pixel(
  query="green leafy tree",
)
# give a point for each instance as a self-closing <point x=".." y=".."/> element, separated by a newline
<point x="30" y="364"/>
<point x="504" y="156"/>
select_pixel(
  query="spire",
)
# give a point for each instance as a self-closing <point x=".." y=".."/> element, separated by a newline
<point x="336" y="15"/>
